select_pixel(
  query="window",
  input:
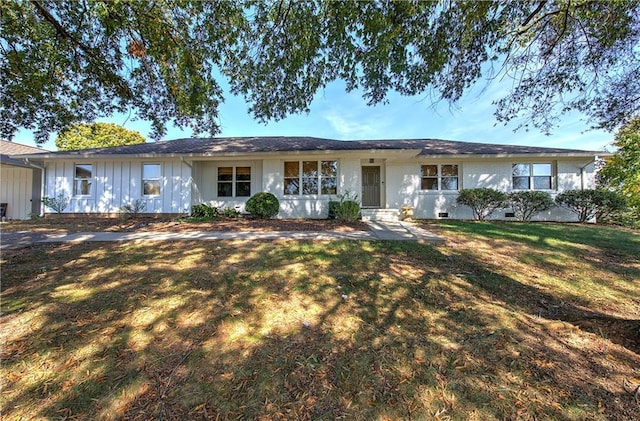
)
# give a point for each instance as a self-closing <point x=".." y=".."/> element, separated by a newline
<point x="528" y="176"/>
<point x="439" y="177"/>
<point x="151" y="174"/>
<point x="82" y="179"/>
<point x="310" y="177"/>
<point x="234" y="181"/>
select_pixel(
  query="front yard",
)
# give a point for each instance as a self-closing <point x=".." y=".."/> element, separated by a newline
<point x="503" y="321"/>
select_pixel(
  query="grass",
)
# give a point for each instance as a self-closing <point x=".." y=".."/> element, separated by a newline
<point x="504" y="321"/>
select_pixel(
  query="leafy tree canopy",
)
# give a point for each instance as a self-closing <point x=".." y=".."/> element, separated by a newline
<point x="622" y="170"/>
<point x="96" y="135"/>
<point x="69" y="61"/>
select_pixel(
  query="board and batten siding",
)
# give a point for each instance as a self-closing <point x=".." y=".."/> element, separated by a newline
<point x="16" y="190"/>
<point x="118" y="183"/>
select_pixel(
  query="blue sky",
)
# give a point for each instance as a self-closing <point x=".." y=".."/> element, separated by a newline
<point x="336" y="114"/>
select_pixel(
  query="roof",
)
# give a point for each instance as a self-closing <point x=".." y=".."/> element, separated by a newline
<point x="193" y="147"/>
<point x="12" y="148"/>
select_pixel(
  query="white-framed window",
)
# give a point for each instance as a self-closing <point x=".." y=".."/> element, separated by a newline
<point x="532" y="176"/>
<point x="234" y="181"/>
<point x="439" y="177"/>
<point x="151" y="179"/>
<point x="82" y="179"/>
<point x="310" y="177"/>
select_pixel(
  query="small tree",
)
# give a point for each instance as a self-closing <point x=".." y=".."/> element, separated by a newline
<point x="526" y="204"/>
<point x="483" y="201"/>
<point x="263" y="205"/>
<point x="58" y="203"/>
<point x="589" y="204"/>
<point x="96" y="135"/>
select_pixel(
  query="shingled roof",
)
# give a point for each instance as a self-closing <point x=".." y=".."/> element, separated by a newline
<point x="12" y="148"/>
<point x="253" y="145"/>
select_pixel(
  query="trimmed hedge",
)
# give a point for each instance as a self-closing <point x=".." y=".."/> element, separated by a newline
<point x="263" y="205"/>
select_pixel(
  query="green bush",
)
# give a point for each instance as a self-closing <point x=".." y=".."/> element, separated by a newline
<point x="526" y="204"/>
<point x="333" y="205"/>
<point x="263" y="205"/>
<point x="58" y="203"/>
<point x="483" y="201"/>
<point x="347" y="209"/>
<point x="203" y="210"/>
<point x="588" y="204"/>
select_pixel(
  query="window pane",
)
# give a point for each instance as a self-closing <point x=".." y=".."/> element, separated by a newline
<point x="521" y="170"/>
<point x="329" y="185"/>
<point x="449" y="183"/>
<point x="151" y="188"/>
<point x="291" y="169"/>
<point x="542" y="183"/>
<point x="542" y="169"/>
<point x="291" y="186"/>
<point x="429" y="170"/>
<point x="82" y="187"/>
<point x="150" y="171"/>
<point x="225" y="189"/>
<point x="309" y="168"/>
<point x="450" y="170"/>
<point x="520" y="183"/>
<point x="310" y="185"/>
<point x="243" y="189"/>
<point x="225" y="174"/>
<point x="84" y="170"/>
<point x="429" y="184"/>
<point x="243" y="174"/>
<point x="329" y="168"/>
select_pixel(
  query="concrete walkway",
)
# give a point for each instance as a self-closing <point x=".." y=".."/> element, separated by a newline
<point x="393" y="231"/>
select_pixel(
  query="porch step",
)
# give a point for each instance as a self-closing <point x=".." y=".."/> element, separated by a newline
<point x="389" y="215"/>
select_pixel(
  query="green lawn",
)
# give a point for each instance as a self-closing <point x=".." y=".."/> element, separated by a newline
<point x="503" y="321"/>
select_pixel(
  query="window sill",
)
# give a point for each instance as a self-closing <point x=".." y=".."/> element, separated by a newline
<point x="434" y="192"/>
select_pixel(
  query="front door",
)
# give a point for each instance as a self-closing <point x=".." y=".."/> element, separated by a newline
<point x="371" y="187"/>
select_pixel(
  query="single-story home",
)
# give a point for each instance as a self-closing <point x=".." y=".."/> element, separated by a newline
<point x="20" y="182"/>
<point x="305" y="173"/>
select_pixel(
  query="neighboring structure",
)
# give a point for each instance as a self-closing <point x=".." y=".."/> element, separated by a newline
<point x="20" y="182"/>
<point x="305" y="173"/>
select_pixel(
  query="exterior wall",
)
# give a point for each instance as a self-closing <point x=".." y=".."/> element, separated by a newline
<point x="118" y="183"/>
<point x="16" y="190"/>
<point x="403" y="186"/>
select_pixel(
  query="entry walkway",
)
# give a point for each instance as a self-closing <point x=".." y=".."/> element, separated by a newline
<point x="393" y="231"/>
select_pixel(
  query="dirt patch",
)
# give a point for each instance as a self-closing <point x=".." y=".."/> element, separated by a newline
<point x="96" y="224"/>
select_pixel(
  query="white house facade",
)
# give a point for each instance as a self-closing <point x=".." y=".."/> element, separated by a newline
<point x="20" y="182"/>
<point x="306" y="173"/>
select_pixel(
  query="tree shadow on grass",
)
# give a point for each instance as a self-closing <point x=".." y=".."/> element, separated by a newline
<point x="303" y="330"/>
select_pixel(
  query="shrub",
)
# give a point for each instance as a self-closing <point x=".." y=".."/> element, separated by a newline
<point x="347" y="208"/>
<point x="230" y="212"/>
<point x="483" y="201"/>
<point x="589" y="204"/>
<point x="203" y="210"/>
<point x="58" y="203"/>
<point x="263" y="205"/>
<point x="333" y="205"/>
<point x="526" y="204"/>
<point x="133" y="209"/>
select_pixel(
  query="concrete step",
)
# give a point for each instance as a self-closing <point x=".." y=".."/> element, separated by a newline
<point x="389" y="215"/>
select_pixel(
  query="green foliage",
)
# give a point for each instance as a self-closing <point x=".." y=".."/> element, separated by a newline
<point x="347" y="209"/>
<point x="66" y="62"/>
<point x="96" y="135"/>
<point x="133" y="209"/>
<point x="482" y="201"/>
<point x="263" y="205"/>
<point x="57" y="204"/>
<point x="590" y="203"/>
<point x="230" y="212"/>
<point x="526" y="204"/>
<point x="621" y="171"/>
<point x="203" y="210"/>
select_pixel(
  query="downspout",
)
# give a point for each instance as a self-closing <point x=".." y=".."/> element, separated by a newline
<point x="42" y="182"/>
